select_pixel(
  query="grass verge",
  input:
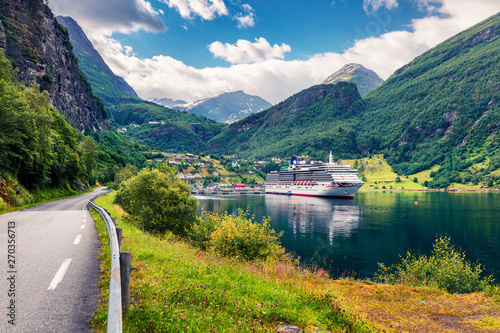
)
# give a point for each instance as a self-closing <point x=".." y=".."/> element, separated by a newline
<point x="179" y="288"/>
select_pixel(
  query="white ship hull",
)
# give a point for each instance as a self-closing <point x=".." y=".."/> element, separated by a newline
<point x="320" y="190"/>
<point x="314" y="180"/>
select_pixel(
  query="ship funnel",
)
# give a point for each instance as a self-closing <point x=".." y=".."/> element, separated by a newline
<point x="330" y="159"/>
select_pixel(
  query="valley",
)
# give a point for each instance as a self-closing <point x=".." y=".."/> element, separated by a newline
<point x="163" y="102"/>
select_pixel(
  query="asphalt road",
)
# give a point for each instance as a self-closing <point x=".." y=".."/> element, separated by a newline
<point x="48" y="267"/>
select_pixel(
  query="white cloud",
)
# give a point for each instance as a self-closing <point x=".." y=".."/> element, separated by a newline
<point x="206" y="9"/>
<point x="258" y="68"/>
<point x="247" y="19"/>
<point x="245" y="51"/>
<point x="107" y="16"/>
<point x="376" y="4"/>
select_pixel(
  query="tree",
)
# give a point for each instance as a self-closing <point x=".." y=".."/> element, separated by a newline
<point x="128" y="172"/>
<point x="90" y="152"/>
<point x="157" y="201"/>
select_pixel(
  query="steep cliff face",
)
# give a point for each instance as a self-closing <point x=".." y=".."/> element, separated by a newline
<point x="110" y="87"/>
<point x="39" y="47"/>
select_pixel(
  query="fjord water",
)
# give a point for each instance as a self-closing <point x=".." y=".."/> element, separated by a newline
<point x="349" y="237"/>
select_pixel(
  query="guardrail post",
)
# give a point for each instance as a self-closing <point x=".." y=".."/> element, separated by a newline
<point x="119" y="236"/>
<point x="125" y="268"/>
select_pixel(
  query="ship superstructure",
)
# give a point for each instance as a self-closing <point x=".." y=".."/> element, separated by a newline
<point x="322" y="180"/>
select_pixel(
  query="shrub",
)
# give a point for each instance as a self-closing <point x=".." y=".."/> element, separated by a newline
<point x="202" y="230"/>
<point x="238" y="236"/>
<point x="446" y="269"/>
<point x="157" y="201"/>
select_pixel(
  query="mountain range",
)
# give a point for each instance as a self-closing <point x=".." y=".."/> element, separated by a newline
<point x="440" y="111"/>
<point x="227" y="107"/>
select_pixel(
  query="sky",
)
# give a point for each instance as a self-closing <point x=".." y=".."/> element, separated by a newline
<point x="194" y="49"/>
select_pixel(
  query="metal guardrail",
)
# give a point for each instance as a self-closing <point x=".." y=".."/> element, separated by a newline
<point x="115" y="292"/>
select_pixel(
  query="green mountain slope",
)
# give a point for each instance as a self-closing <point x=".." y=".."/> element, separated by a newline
<point x="110" y="87"/>
<point x="164" y="129"/>
<point x="440" y="111"/>
<point x="365" y="78"/>
<point x="310" y="122"/>
<point x="169" y="130"/>
<point x="442" y="105"/>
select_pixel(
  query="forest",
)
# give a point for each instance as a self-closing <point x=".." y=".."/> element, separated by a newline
<point x="41" y="149"/>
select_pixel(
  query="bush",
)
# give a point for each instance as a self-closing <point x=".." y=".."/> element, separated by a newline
<point x="446" y="269"/>
<point x="238" y="236"/>
<point x="157" y="201"/>
<point x="202" y="230"/>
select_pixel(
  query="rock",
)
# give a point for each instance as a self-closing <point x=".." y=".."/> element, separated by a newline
<point x="40" y="49"/>
<point x="288" y="328"/>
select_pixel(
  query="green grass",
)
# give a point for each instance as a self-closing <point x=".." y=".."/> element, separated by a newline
<point x="244" y="179"/>
<point x="379" y="174"/>
<point x="177" y="287"/>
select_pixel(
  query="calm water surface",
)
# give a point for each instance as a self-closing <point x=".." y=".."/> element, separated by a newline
<point x="352" y="236"/>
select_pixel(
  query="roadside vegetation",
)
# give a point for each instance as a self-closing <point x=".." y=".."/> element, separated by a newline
<point x="229" y="273"/>
<point x="14" y="196"/>
<point x="178" y="286"/>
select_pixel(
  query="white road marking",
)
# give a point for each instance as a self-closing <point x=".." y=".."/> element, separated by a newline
<point x="84" y="220"/>
<point x="83" y="226"/>
<point x="60" y="274"/>
<point x="77" y="239"/>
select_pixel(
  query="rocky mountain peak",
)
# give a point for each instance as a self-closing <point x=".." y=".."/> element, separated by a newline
<point x="365" y="78"/>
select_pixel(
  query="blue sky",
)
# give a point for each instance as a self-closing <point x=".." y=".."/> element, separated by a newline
<point x="192" y="49"/>
<point x="308" y="27"/>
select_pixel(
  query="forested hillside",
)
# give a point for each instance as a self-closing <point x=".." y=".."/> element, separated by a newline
<point x="164" y="129"/>
<point x="41" y="149"/>
<point x="311" y="122"/>
<point x="442" y="108"/>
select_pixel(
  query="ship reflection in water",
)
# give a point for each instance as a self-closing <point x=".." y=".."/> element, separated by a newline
<point x="320" y="231"/>
<point x="313" y="215"/>
<point x="348" y="236"/>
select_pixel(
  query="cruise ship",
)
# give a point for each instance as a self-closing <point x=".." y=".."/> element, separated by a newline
<point x="322" y="180"/>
